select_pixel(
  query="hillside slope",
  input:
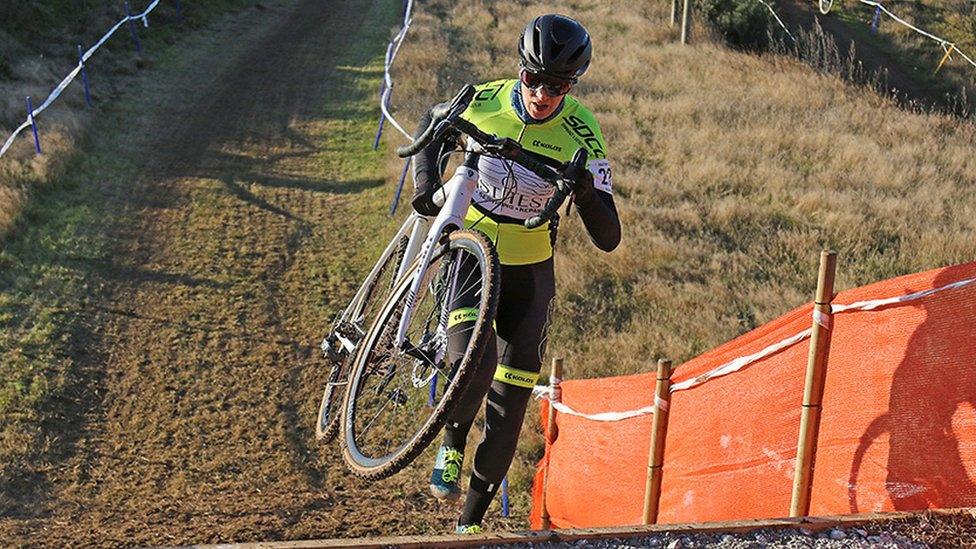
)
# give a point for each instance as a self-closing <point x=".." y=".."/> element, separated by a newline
<point x="731" y="171"/>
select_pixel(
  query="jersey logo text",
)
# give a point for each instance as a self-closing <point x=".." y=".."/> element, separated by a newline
<point x="538" y="143"/>
<point x="588" y="136"/>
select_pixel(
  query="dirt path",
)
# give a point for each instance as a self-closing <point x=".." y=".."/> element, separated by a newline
<point x="240" y="224"/>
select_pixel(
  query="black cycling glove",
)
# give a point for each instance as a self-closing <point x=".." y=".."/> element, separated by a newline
<point x="580" y="180"/>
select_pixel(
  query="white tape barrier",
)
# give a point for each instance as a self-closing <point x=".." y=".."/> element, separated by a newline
<point x="391" y="52"/>
<point x="778" y="20"/>
<point x="74" y="73"/>
<point x="738" y="364"/>
<point x="947" y="46"/>
<point x="741" y="362"/>
<point x="902" y="21"/>
<point x="822" y="318"/>
<point x="546" y="391"/>
<point x="874" y="304"/>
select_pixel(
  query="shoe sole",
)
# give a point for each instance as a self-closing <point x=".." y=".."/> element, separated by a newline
<point x="443" y="495"/>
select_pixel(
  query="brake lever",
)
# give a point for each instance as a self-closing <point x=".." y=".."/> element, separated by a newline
<point x="505" y="147"/>
<point x="563" y="190"/>
<point x="580" y="158"/>
<point x="456" y="106"/>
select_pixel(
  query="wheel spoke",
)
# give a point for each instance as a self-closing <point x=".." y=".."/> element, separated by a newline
<point x="370" y="424"/>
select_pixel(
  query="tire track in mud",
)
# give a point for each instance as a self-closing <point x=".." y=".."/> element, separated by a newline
<point x="207" y="359"/>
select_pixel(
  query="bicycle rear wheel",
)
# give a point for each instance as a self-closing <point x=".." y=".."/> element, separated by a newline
<point x="398" y="399"/>
<point x="354" y="328"/>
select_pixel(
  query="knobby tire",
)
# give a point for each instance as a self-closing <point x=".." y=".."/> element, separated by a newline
<point x="378" y="468"/>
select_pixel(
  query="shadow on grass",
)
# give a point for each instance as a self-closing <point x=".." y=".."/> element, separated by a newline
<point x="110" y="270"/>
<point x="289" y="76"/>
<point x="25" y="483"/>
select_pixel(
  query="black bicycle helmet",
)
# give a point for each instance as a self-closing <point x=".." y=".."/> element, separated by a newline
<point x="555" y="45"/>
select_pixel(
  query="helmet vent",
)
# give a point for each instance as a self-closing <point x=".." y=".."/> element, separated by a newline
<point x="536" y="41"/>
<point x="577" y="53"/>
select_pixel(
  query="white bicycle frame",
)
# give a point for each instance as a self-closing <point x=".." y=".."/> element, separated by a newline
<point x="416" y="227"/>
<point x="456" y="193"/>
<point x="455" y="196"/>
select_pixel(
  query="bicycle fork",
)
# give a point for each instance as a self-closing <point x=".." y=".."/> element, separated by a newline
<point x="459" y="189"/>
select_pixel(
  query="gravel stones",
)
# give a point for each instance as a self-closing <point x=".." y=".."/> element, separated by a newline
<point x="792" y="538"/>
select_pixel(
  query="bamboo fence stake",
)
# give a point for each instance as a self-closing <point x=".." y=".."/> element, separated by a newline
<point x="813" y="389"/>
<point x="554" y="380"/>
<point x="659" y="432"/>
<point x="686" y="22"/>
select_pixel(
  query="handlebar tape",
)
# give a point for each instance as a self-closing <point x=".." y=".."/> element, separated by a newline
<point x="438" y="114"/>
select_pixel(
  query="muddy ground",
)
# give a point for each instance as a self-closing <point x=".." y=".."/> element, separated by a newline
<point x="195" y="363"/>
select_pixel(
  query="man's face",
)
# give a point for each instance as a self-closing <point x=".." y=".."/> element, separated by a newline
<point x="539" y="103"/>
<point x="542" y="95"/>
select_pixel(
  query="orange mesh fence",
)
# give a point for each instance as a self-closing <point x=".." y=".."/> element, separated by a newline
<point x="898" y="429"/>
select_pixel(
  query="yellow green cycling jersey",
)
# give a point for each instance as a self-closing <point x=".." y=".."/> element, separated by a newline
<point x="508" y="193"/>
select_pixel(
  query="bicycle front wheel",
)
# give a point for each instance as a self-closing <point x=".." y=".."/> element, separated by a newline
<point x="399" y="398"/>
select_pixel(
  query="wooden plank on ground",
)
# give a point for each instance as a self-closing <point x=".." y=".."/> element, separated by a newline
<point x="500" y="539"/>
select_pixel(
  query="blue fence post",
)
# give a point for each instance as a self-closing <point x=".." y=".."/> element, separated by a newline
<point x="379" y="131"/>
<point x="179" y="10"/>
<point x="84" y="75"/>
<point x="876" y="19"/>
<point x="433" y="391"/>
<point x="30" y="116"/>
<point x="132" y="28"/>
<point x="399" y="189"/>
<point x="505" y="497"/>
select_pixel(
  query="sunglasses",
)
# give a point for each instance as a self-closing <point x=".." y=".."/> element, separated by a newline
<point x="553" y="86"/>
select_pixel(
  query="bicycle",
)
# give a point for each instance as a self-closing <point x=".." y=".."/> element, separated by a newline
<point x="339" y="345"/>
<point x="414" y="361"/>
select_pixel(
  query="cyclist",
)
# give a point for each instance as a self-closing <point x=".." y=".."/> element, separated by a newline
<point x="535" y="110"/>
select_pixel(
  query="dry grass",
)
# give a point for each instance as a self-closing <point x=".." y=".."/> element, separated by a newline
<point x="34" y="56"/>
<point x="21" y="171"/>
<point x="732" y="172"/>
